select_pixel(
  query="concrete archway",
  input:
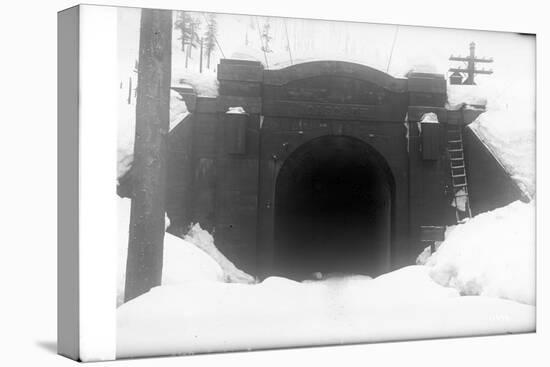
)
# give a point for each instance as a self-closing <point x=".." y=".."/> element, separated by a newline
<point x="333" y="210"/>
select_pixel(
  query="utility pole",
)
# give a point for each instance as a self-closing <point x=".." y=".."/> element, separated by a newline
<point x="187" y="54"/>
<point x="146" y="237"/>
<point x="129" y="90"/>
<point x="200" y="58"/>
<point x="471" y="61"/>
<point x="192" y="39"/>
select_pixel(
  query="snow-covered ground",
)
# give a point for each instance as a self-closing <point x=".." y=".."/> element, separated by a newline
<point x="197" y="310"/>
<point x="208" y="316"/>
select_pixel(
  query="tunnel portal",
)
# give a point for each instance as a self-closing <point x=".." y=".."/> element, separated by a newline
<point x="333" y="203"/>
<point x="328" y="169"/>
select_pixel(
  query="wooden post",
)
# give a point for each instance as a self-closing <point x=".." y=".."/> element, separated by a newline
<point x="145" y="247"/>
<point x="192" y="37"/>
<point x="200" y="61"/>
<point x="129" y="90"/>
<point x="187" y="55"/>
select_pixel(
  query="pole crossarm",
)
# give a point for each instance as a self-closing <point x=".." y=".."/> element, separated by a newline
<point x="461" y="58"/>
<point x="475" y="71"/>
<point x="470" y="68"/>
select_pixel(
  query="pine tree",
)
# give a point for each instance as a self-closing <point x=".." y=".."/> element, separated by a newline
<point x="183" y="24"/>
<point x="210" y="37"/>
<point x="266" y="37"/>
<point x="194" y="40"/>
<point x="189" y="28"/>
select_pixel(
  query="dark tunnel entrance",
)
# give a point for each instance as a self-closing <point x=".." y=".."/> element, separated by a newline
<point x="333" y="201"/>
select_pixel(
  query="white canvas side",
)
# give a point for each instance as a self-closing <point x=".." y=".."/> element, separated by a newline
<point x="98" y="210"/>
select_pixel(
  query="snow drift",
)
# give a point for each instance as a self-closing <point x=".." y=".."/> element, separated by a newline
<point x="200" y="317"/>
<point x="182" y="260"/>
<point x="511" y="143"/>
<point x="195" y="310"/>
<point x="493" y="254"/>
<point x="194" y="258"/>
<point x="507" y="127"/>
<point x="204" y="240"/>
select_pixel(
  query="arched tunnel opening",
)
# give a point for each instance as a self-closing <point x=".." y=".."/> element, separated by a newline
<point x="333" y="210"/>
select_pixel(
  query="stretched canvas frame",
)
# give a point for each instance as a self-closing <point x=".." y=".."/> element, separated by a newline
<point x="93" y="333"/>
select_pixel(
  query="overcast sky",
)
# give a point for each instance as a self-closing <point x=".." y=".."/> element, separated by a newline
<point x="370" y="44"/>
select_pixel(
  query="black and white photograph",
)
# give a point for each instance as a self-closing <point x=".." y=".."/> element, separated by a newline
<point x="274" y="183"/>
<point x="290" y="182"/>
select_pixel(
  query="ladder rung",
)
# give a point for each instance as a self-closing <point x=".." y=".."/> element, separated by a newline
<point x="455" y="149"/>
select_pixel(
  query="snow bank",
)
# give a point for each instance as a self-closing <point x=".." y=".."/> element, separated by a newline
<point x="247" y="54"/>
<point x="466" y="95"/>
<point x="507" y="127"/>
<point x="194" y="258"/>
<point x="182" y="260"/>
<point x="209" y="316"/>
<point x="493" y="254"/>
<point x="425" y="66"/>
<point x="505" y="134"/>
<point x="204" y="240"/>
<point x="178" y="109"/>
<point x="205" y="84"/>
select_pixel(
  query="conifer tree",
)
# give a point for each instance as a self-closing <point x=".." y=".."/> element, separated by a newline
<point x="194" y="39"/>
<point x="266" y="37"/>
<point x="210" y="37"/>
<point x="183" y="24"/>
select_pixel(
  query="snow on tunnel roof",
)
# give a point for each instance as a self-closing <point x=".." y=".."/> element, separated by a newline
<point x="459" y="95"/>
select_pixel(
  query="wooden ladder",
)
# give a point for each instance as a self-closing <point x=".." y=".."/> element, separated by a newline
<point x="459" y="181"/>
